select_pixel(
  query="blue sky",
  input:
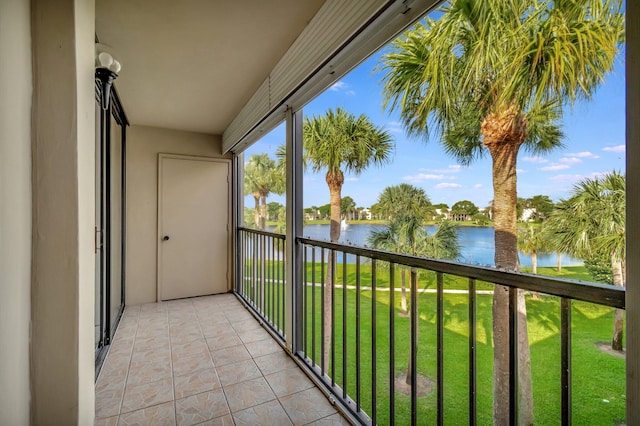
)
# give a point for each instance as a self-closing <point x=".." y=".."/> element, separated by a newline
<point x="594" y="144"/>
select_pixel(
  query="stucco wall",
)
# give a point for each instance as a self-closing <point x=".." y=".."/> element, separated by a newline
<point x="63" y="138"/>
<point x="15" y="210"/>
<point x="143" y="146"/>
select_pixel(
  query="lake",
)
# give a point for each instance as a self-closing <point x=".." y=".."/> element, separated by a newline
<point x="477" y="243"/>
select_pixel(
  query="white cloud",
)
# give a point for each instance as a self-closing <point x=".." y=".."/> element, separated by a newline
<point x="350" y="92"/>
<point x="447" y="185"/>
<point x="565" y="178"/>
<point x="554" y="167"/>
<point x="570" y="160"/>
<point x="575" y="178"/>
<point x="536" y="160"/>
<point x="617" y="148"/>
<point x="478" y="185"/>
<point x="394" y="126"/>
<point x="451" y="168"/>
<point x="421" y="177"/>
<point x="338" y="85"/>
<point x="583" y="154"/>
<point x="351" y="179"/>
<point x="521" y="171"/>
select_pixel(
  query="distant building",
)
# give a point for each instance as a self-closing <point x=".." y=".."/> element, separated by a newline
<point x="528" y="214"/>
<point x="365" y="214"/>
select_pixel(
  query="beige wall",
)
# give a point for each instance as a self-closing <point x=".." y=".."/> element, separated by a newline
<point x="143" y="146"/>
<point x="63" y="138"/>
<point x="15" y="210"/>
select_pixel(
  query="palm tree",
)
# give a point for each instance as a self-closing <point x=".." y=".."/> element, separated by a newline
<point x="405" y="204"/>
<point x="532" y="240"/>
<point x="403" y="199"/>
<point x="591" y="225"/>
<point x="340" y="142"/>
<point x="491" y="77"/>
<point x="262" y="176"/>
<point x="407" y="234"/>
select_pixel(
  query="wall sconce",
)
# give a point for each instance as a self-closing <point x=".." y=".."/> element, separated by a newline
<point x="107" y="69"/>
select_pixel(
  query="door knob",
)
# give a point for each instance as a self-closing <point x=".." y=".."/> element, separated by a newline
<point x="165" y="238"/>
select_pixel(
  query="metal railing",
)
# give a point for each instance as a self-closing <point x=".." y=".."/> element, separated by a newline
<point x="261" y="280"/>
<point x="357" y="357"/>
<point x="355" y="337"/>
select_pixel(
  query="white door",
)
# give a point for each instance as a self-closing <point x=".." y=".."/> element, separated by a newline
<point x="193" y="226"/>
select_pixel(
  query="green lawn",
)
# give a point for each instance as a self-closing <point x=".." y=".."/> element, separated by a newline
<point x="598" y="378"/>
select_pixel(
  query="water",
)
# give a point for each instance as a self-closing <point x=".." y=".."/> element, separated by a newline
<point x="476" y="243"/>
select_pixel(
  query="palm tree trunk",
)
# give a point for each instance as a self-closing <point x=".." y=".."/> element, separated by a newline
<point x="559" y="262"/>
<point x="256" y="213"/>
<point x="263" y="212"/>
<point x="335" y="186"/>
<point x="504" y="155"/>
<point x="403" y="299"/>
<point x="616" y="342"/>
<point x="534" y="262"/>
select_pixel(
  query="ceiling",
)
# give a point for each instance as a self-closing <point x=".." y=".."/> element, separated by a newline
<point x="193" y="64"/>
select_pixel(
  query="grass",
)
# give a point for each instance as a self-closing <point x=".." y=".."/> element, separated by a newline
<point x="598" y="377"/>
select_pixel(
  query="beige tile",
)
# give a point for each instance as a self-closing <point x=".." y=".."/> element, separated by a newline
<point x="157" y="415"/>
<point x="333" y="420"/>
<point x="226" y="420"/>
<point x="144" y="344"/>
<point x="230" y="355"/>
<point x="253" y="335"/>
<point x="238" y="314"/>
<point x="131" y="311"/>
<point x="191" y="363"/>
<point x="152" y="331"/>
<point x="230" y="338"/>
<point x="109" y="421"/>
<point x="108" y="402"/>
<point x="126" y="330"/>
<point x="211" y="317"/>
<point x="248" y="394"/>
<point x="146" y="395"/>
<point x="189" y="348"/>
<point x="114" y="370"/>
<point x="263" y="347"/>
<point x="248" y="324"/>
<point x="196" y="382"/>
<point x="122" y="346"/>
<point x="160" y="355"/>
<point x="190" y="322"/>
<point x="307" y="406"/>
<point x="149" y="372"/>
<point x="267" y="414"/>
<point x="201" y="407"/>
<point x="215" y="328"/>
<point x="112" y="379"/>
<point x="186" y="338"/>
<point x="238" y="372"/>
<point x="288" y="381"/>
<point x="275" y="362"/>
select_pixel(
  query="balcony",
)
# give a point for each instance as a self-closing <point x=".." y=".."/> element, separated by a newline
<point x="205" y="360"/>
<point x="361" y="356"/>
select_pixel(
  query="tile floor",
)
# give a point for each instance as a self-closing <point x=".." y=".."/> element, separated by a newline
<point x="203" y="361"/>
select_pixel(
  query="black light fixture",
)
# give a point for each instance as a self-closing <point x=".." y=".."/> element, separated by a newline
<point x="107" y="69"/>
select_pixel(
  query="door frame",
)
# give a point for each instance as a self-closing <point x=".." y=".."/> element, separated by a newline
<point x="159" y="233"/>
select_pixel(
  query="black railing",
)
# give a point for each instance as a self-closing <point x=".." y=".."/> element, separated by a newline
<point x="261" y="280"/>
<point x="356" y="353"/>
<point x="357" y="342"/>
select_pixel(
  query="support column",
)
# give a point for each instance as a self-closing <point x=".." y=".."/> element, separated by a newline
<point x="63" y="144"/>
<point x="294" y="312"/>
<point x="633" y="207"/>
<point x="15" y="210"/>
